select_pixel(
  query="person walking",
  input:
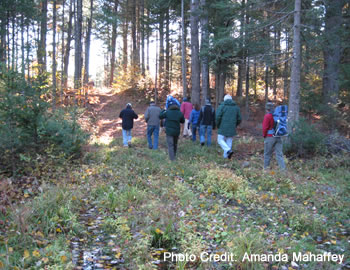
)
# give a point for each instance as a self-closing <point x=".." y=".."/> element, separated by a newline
<point x="173" y="117"/>
<point x="207" y="122"/>
<point x="194" y="117"/>
<point x="270" y="142"/>
<point x="186" y="109"/>
<point x="228" y="117"/>
<point x="152" y="119"/>
<point x="127" y="115"/>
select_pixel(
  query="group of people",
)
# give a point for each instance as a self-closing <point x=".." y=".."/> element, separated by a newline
<point x="202" y="120"/>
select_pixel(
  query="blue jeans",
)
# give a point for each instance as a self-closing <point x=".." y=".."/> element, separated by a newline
<point x="126" y="137"/>
<point x="155" y="131"/>
<point x="205" y="129"/>
<point x="194" y="131"/>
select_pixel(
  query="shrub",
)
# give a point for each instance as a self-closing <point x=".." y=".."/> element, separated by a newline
<point x="27" y="125"/>
<point x="305" y="140"/>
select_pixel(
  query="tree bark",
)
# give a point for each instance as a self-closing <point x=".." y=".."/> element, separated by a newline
<point x="143" y="71"/>
<point x="68" y="45"/>
<point x="78" y="45"/>
<point x="125" y="36"/>
<point x="332" y="50"/>
<point x="267" y="79"/>
<point x="204" y="51"/>
<point x="167" y="50"/>
<point x="62" y="52"/>
<point x="183" y="50"/>
<point x="161" y="52"/>
<point x="42" y="42"/>
<point x="114" y="40"/>
<point x="133" y="35"/>
<point x="87" y="46"/>
<point x="54" y="99"/>
<point x="294" y="95"/>
<point x="195" y="65"/>
<point x="286" y="67"/>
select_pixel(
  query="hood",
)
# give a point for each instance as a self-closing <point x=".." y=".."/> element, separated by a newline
<point x="230" y="102"/>
<point x="174" y="107"/>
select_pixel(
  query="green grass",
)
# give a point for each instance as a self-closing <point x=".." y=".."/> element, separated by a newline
<point x="198" y="203"/>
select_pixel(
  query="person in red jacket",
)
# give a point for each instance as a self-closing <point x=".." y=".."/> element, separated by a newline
<point x="270" y="142"/>
<point x="186" y="109"/>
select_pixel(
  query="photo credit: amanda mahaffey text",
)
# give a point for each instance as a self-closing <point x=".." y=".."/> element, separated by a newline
<point x="247" y="257"/>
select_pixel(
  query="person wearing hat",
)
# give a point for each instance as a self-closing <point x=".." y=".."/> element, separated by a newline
<point x="186" y="109"/>
<point x="173" y="117"/>
<point x="207" y="122"/>
<point x="270" y="142"/>
<point x="228" y="117"/>
<point x="152" y="120"/>
<point x="127" y="115"/>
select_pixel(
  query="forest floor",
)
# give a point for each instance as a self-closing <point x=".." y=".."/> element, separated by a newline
<point x="131" y="208"/>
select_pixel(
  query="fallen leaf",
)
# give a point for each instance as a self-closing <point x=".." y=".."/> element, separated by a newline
<point x="36" y="253"/>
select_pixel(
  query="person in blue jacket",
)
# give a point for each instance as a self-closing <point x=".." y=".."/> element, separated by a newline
<point x="194" y="121"/>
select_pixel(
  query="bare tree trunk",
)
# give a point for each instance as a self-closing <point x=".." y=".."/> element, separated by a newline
<point x="161" y="52"/>
<point x="286" y="67"/>
<point x="78" y="45"/>
<point x="247" y="90"/>
<point x="204" y="51"/>
<point x="275" y="60"/>
<point x="125" y="36"/>
<point x="156" y="77"/>
<point x="239" y="79"/>
<point x="255" y="79"/>
<point x="42" y="42"/>
<point x="62" y="52"/>
<point x="195" y="65"/>
<point x="167" y="49"/>
<point x="3" y="39"/>
<point x="68" y="44"/>
<point x="23" y="66"/>
<point x="133" y="35"/>
<point x="87" y="47"/>
<point x="28" y="53"/>
<point x="54" y="64"/>
<point x="114" y="40"/>
<point x="294" y="95"/>
<point x="332" y="50"/>
<point x="143" y="71"/>
<point x="13" y="60"/>
<point x="183" y="50"/>
<point x="266" y="82"/>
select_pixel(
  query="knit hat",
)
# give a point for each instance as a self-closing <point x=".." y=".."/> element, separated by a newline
<point x="269" y="106"/>
<point x="227" y="97"/>
<point x="185" y="99"/>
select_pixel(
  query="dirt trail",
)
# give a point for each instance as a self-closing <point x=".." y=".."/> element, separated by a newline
<point x="107" y="106"/>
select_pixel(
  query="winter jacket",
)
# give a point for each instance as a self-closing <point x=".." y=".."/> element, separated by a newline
<point x="194" y="117"/>
<point x="228" y="117"/>
<point x="128" y="115"/>
<point x="268" y="124"/>
<point x="186" y="108"/>
<point x="152" y="115"/>
<point x="173" y="118"/>
<point x="207" y="116"/>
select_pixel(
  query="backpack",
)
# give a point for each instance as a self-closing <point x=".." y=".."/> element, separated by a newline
<point x="280" y="118"/>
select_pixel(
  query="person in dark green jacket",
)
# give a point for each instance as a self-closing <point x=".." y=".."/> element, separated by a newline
<point x="228" y="117"/>
<point x="173" y="117"/>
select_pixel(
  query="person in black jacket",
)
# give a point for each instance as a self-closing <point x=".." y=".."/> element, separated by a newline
<point x="207" y="122"/>
<point x="127" y="115"/>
